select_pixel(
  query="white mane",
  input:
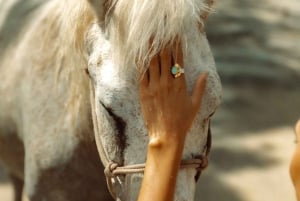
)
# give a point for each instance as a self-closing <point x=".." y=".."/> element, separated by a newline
<point x="133" y="23"/>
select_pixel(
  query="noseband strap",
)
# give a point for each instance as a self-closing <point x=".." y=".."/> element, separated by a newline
<point x="113" y="169"/>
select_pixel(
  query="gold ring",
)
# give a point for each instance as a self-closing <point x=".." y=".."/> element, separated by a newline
<point x="177" y="70"/>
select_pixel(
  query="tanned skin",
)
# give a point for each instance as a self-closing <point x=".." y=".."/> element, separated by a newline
<point x="168" y="111"/>
<point x="295" y="163"/>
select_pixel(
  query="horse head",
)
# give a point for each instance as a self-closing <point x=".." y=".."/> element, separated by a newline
<point x="114" y="44"/>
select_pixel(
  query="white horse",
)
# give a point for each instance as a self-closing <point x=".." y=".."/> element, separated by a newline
<point x="46" y="129"/>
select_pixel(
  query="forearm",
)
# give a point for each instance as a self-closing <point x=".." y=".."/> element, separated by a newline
<point x="168" y="110"/>
<point x="163" y="161"/>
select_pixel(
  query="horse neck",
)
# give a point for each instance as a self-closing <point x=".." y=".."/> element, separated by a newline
<point x="61" y="25"/>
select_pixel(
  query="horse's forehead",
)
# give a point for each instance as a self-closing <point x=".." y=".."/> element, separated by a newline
<point x="118" y="86"/>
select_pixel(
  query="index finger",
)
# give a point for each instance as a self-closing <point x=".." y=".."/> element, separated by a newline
<point x="178" y="53"/>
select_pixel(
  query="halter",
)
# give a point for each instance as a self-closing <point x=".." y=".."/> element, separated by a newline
<point x="113" y="169"/>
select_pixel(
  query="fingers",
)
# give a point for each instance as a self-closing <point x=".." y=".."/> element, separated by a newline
<point x="169" y="58"/>
<point x="198" y="91"/>
<point x="160" y="66"/>
<point x="144" y="81"/>
<point x="180" y="82"/>
<point x="154" y="71"/>
<point x="166" y="63"/>
<point x="178" y="53"/>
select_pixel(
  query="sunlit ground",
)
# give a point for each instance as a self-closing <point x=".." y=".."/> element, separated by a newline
<point x="254" y="168"/>
<point x="5" y="192"/>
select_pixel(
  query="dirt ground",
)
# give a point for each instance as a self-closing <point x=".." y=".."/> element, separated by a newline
<point x="253" y="137"/>
<point x="253" y="144"/>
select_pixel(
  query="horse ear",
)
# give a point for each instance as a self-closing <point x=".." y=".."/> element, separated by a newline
<point x="100" y="7"/>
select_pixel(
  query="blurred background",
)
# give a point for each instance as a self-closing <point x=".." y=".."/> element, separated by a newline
<point x="257" y="50"/>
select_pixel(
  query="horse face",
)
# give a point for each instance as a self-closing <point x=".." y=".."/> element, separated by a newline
<point x="122" y="131"/>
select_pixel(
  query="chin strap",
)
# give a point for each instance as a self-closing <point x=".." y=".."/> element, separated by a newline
<point x="113" y="169"/>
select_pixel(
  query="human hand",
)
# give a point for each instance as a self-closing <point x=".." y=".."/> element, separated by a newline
<point x="297" y="131"/>
<point x="168" y="110"/>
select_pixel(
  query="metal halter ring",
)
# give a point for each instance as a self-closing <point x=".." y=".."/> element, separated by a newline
<point x="177" y="70"/>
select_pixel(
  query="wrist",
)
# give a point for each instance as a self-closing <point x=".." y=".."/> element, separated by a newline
<point x="163" y="162"/>
<point x="166" y="142"/>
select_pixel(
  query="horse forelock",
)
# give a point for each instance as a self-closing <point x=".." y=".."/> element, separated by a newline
<point x="130" y="25"/>
<point x="133" y="23"/>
